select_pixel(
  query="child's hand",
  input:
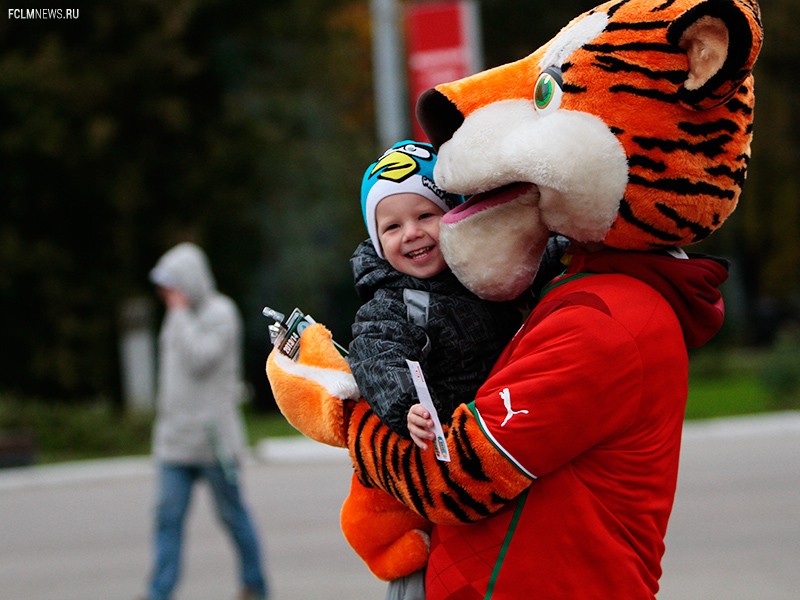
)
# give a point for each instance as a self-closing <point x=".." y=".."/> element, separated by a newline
<point x="420" y="426"/>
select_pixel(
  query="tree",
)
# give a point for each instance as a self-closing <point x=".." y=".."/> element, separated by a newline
<point x="122" y="137"/>
<point x="140" y="124"/>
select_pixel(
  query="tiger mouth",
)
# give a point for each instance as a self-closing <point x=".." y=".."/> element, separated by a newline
<point x="487" y="200"/>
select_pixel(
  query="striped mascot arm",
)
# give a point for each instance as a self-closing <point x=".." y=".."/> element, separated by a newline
<point x="477" y="482"/>
<point x="313" y="396"/>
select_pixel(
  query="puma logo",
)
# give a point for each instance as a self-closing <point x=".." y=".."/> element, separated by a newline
<point x="506" y="396"/>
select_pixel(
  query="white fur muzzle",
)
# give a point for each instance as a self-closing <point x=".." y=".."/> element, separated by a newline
<point x="578" y="164"/>
<point x="575" y="161"/>
<point x="496" y="253"/>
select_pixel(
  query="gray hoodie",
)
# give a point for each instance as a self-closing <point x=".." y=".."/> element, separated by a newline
<point x="200" y="366"/>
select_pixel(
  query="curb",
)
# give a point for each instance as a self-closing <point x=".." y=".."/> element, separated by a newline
<point x="276" y="451"/>
<point x="767" y="424"/>
<point x="75" y="472"/>
<point x="293" y="450"/>
<point x="300" y="450"/>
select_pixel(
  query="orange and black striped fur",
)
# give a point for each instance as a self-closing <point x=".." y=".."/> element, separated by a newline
<point x="477" y="482"/>
<point x="639" y="136"/>
<point x="685" y="142"/>
<point x="687" y="149"/>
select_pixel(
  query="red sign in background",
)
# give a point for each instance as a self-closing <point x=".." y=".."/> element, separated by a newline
<point x="442" y="45"/>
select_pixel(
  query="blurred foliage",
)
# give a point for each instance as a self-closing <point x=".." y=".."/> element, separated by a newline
<point x="36" y="430"/>
<point x="245" y="127"/>
<point x="744" y="380"/>
<point x="73" y="432"/>
<point x="732" y="394"/>
<point x="780" y="375"/>
<point x="142" y="124"/>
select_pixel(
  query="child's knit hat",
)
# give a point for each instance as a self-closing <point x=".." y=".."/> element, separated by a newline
<point x="406" y="167"/>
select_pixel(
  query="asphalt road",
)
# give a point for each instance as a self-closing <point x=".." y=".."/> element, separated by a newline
<point x="82" y="531"/>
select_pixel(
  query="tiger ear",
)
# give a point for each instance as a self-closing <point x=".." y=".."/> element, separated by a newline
<point x="706" y="46"/>
<point x="722" y="39"/>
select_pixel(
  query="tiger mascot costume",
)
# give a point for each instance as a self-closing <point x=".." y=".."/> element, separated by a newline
<point x="629" y="133"/>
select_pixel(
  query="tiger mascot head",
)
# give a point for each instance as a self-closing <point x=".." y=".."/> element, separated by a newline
<point x="631" y="129"/>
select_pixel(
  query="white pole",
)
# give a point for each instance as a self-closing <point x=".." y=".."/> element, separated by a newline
<point x="388" y="73"/>
<point x="137" y="355"/>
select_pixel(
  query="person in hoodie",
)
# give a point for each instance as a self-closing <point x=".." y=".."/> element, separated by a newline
<point x="198" y="432"/>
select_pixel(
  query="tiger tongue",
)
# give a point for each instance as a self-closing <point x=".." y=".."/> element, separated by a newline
<point x="486" y="200"/>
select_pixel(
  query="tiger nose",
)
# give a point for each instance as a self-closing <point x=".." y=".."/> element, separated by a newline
<point x="438" y="117"/>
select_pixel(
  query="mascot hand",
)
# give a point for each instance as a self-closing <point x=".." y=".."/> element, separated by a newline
<point x="311" y="391"/>
<point x="479" y="480"/>
<point x="390" y="538"/>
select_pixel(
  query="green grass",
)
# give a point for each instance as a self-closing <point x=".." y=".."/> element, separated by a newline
<point x="262" y="425"/>
<point x="64" y="432"/>
<point x="711" y="397"/>
<point x="72" y="432"/>
<point x="744" y="381"/>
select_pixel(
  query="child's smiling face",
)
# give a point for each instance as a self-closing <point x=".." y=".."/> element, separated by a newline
<point x="408" y="230"/>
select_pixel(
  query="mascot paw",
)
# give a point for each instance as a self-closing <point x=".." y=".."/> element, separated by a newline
<point x="310" y="392"/>
<point x="390" y="538"/>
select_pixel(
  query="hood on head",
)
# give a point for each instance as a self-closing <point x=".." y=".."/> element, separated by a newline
<point x="185" y="267"/>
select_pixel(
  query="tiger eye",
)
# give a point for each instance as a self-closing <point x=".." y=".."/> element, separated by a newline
<point x="545" y="87"/>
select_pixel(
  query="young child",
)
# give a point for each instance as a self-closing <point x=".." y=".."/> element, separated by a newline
<point x="413" y="308"/>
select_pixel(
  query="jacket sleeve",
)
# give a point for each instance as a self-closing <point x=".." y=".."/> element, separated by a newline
<point x="383" y="339"/>
<point x="477" y="482"/>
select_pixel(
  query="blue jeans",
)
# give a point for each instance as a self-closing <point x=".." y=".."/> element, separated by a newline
<point x="175" y="491"/>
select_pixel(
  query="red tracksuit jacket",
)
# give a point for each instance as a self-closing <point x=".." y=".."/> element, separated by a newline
<point x="588" y="399"/>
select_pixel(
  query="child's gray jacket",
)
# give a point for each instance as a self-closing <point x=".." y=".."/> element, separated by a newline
<point x="454" y="335"/>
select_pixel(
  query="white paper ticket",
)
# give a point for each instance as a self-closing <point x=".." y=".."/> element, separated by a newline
<point x="440" y="445"/>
